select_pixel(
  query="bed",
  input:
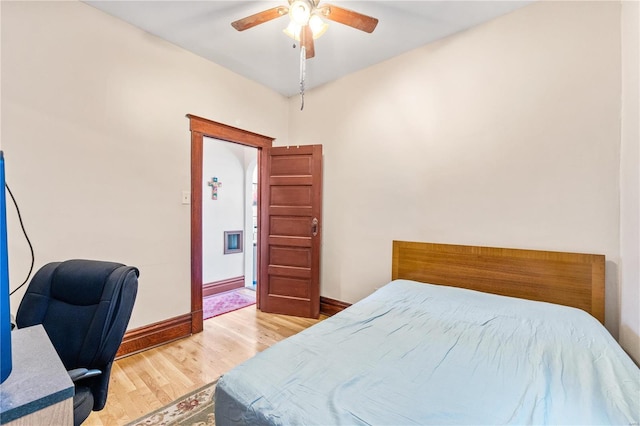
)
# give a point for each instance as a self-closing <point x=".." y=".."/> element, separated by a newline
<point x="461" y="335"/>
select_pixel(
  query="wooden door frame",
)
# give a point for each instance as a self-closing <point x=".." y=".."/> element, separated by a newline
<point x="201" y="127"/>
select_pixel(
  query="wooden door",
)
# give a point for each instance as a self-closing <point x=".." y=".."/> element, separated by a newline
<point x="290" y="230"/>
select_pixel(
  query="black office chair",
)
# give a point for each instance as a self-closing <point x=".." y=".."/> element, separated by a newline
<point x="84" y="306"/>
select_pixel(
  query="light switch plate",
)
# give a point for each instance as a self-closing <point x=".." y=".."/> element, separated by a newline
<point x="186" y="197"/>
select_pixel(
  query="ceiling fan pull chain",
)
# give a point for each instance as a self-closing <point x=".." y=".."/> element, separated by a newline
<point x="303" y="72"/>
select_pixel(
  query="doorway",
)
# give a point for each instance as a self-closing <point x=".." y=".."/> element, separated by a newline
<point x="201" y="127"/>
<point x="229" y="226"/>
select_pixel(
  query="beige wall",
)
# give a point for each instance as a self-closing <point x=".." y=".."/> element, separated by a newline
<point x="630" y="181"/>
<point x="98" y="147"/>
<point x="505" y="135"/>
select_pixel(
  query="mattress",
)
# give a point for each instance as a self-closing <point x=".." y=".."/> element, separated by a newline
<point x="416" y="354"/>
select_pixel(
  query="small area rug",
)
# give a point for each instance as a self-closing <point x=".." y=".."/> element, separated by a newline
<point x="195" y="408"/>
<point x="228" y="301"/>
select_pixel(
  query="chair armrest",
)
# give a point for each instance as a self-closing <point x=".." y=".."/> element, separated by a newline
<point x="83" y="373"/>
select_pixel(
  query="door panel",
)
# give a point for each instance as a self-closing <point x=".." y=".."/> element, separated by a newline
<point x="291" y="222"/>
<point x="288" y="166"/>
<point x="289" y="195"/>
<point x="298" y="257"/>
<point x="293" y="286"/>
<point x="290" y="226"/>
<point x="291" y="241"/>
<point x="287" y="272"/>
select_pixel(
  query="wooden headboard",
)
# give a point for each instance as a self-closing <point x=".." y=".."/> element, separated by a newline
<point x="571" y="279"/>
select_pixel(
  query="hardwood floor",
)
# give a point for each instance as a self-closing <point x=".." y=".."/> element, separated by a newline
<point x="149" y="380"/>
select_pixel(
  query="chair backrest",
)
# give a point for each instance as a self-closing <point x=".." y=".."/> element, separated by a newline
<point x="85" y="306"/>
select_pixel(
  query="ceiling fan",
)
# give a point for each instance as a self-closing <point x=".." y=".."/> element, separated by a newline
<point x="306" y="21"/>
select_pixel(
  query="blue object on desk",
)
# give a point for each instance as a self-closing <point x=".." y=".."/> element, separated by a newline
<point x="5" y="314"/>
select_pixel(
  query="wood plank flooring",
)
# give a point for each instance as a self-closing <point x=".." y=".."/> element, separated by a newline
<point x="144" y="382"/>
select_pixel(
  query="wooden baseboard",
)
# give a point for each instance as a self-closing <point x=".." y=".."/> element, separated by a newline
<point x="330" y="307"/>
<point x="152" y="335"/>
<point x="222" y="286"/>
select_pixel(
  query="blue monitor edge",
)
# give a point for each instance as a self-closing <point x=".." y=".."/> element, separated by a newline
<point x="5" y="313"/>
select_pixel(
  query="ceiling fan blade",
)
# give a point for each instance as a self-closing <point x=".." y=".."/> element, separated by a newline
<point x="259" y="18"/>
<point x="306" y="40"/>
<point x="349" y="17"/>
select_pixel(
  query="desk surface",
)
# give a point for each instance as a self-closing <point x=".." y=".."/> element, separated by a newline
<point x="38" y="378"/>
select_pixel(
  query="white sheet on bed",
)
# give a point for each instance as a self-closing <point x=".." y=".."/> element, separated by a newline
<point x="416" y="354"/>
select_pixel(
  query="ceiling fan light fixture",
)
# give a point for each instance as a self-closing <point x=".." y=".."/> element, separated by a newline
<point x="317" y="25"/>
<point x="293" y="30"/>
<point x="300" y="12"/>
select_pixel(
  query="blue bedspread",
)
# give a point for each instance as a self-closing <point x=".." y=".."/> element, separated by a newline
<point x="417" y="354"/>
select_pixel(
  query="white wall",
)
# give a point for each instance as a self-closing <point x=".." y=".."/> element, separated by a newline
<point x="225" y="161"/>
<point x="250" y="162"/>
<point x="630" y="182"/>
<point x="98" y="147"/>
<point x="505" y="135"/>
<point x="229" y="163"/>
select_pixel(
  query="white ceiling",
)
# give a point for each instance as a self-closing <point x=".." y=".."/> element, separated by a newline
<point x="264" y="54"/>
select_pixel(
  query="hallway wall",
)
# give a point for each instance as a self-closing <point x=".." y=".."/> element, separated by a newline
<point x="228" y="162"/>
